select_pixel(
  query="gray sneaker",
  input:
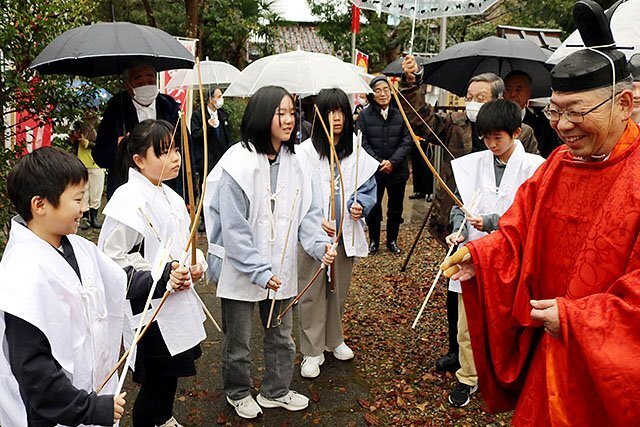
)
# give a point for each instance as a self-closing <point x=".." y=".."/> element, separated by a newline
<point x="292" y="401"/>
<point x="245" y="407"/>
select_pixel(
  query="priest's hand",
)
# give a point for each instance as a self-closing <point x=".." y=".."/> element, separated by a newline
<point x="179" y="277"/>
<point x="118" y="406"/>
<point x="330" y="254"/>
<point x="196" y="272"/>
<point x="274" y="283"/>
<point x="476" y="222"/>
<point x="356" y="211"/>
<point x="451" y="239"/>
<point x="459" y="266"/>
<point x="546" y="311"/>
<point x="410" y="67"/>
<point x="329" y="227"/>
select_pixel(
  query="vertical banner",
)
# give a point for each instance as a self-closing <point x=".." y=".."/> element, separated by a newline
<point x="362" y="60"/>
<point x="355" y="19"/>
<point x="182" y="94"/>
<point x="31" y="132"/>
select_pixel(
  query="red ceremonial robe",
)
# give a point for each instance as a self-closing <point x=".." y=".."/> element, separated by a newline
<point x="571" y="234"/>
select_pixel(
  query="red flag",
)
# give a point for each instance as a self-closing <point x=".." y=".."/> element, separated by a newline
<point x="355" y="19"/>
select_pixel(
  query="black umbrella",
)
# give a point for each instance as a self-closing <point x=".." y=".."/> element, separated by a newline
<point x="453" y="67"/>
<point x="395" y="68"/>
<point x="107" y="48"/>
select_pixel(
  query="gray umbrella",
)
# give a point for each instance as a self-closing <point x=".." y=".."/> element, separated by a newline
<point x="107" y="48"/>
<point x="454" y="66"/>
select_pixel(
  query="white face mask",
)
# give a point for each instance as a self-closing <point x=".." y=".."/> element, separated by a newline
<point x="472" y="109"/>
<point x="145" y="95"/>
<point x="219" y="103"/>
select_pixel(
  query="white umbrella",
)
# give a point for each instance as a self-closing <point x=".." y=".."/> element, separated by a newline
<point x="361" y="72"/>
<point x="624" y="26"/>
<point x="425" y="9"/>
<point x="300" y="72"/>
<point x="213" y="73"/>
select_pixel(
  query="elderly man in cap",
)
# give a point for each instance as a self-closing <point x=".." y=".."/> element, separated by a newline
<point x="139" y="101"/>
<point x="457" y="130"/>
<point x="517" y="88"/>
<point x="387" y="139"/>
<point x="552" y="298"/>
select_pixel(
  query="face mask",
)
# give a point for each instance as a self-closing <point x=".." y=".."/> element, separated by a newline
<point x="364" y="102"/>
<point x="145" y="95"/>
<point x="472" y="109"/>
<point x="219" y="103"/>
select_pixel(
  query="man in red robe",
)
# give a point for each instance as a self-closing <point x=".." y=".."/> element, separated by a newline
<point x="553" y="297"/>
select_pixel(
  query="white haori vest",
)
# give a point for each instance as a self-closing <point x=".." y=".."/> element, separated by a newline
<point x="160" y="216"/>
<point x="82" y="321"/>
<point x="477" y="171"/>
<point x="367" y="166"/>
<point x="251" y="171"/>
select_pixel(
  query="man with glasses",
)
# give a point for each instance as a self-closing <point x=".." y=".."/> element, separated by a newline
<point x="552" y="298"/>
<point x="517" y="88"/>
<point x="457" y="130"/>
<point x="387" y="139"/>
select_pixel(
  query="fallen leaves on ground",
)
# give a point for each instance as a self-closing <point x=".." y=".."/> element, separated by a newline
<point x="399" y="361"/>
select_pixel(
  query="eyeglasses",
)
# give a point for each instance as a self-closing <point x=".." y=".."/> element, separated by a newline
<point x="575" y="117"/>
<point x="381" y="90"/>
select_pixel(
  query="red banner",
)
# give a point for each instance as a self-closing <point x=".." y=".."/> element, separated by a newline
<point x="362" y="60"/>
<point x="32" y="132"/>
<point x="355" y="19"/>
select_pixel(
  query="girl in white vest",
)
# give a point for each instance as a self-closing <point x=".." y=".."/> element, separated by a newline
<point x="259" y="203"/>
<point x="496" y="174"/>
<point x="320" y="310"/>
<point x="144" y="220"/>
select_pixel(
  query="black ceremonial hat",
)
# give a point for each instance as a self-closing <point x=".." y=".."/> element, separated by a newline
<point x="585" y="69"/>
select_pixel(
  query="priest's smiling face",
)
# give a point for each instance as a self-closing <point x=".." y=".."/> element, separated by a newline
<point x="596" y="134"/>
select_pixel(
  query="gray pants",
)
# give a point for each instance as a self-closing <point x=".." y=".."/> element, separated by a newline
<point x="319" y="310"/>
<point x="279" y="349"/>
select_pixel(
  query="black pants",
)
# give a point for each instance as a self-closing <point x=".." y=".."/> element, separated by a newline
<point x="452" y="320"/>
<point x="395" y="193"/>
<point x="422" y="176"/>
<point x="154" y="403"/>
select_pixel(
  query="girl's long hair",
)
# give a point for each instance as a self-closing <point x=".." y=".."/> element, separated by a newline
<point x="148" y="133"/>
<point x="333" y="100"/>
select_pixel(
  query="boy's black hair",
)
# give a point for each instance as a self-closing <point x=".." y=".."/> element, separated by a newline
<point x="333" y="100"/>
<point x="256" y="121"/>
<point x="45" y="172"/>
<point x="156" y="133"/>
<point x="499" y="115"/>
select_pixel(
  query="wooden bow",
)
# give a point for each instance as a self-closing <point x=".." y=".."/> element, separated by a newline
<point x="333" y="156"/>
<point x="190" y="243"/>
<point x="416" y="140"/>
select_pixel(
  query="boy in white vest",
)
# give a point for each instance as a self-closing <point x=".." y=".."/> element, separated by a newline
<point x="62" y="304"/>
<point x="496" y="174"/>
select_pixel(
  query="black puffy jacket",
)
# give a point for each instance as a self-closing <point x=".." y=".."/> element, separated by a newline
<point x="386" y="139"/>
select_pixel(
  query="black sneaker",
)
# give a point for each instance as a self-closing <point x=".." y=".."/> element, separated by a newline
<point x="448" y="362"/>
<point x="373" y="248"/>
<point x="461" y="394"/>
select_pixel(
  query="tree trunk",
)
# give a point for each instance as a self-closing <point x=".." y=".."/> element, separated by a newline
<point x="191" y="7"/>
<point x="149" y="11"/>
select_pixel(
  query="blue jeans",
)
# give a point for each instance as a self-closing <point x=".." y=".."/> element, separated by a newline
<point x="279" y="349"/>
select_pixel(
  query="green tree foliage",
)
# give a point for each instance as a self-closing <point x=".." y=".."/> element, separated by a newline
<point x="230" y="23"/>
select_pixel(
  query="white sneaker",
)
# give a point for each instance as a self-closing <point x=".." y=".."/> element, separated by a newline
<point x="171" y="422"/>
<point x="292" y="401"/>
<point x="310" y="366"/>
<point x="245" y="407"/>
<point x="342" y="352"/>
